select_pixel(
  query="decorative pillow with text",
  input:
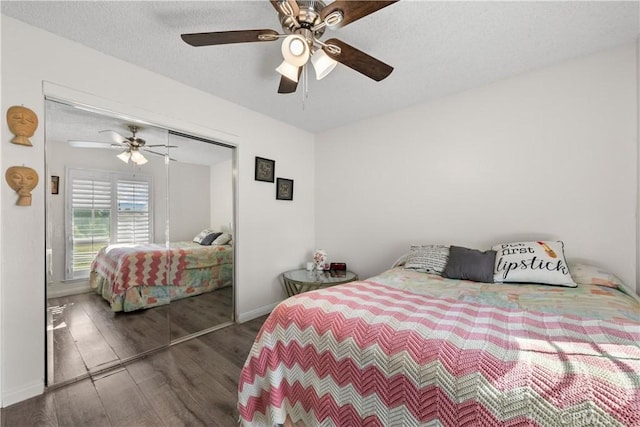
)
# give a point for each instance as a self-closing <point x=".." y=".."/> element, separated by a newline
<point x="532" y="262"/>
<point x="427" y="258"/>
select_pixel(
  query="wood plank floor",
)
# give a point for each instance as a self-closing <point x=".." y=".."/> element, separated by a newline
<point x="86" y="335"/>
<point x="193" y="383"/>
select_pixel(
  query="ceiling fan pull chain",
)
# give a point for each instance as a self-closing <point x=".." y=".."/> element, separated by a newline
<point x="305" y="84"/>
<point x="304" y="81"/>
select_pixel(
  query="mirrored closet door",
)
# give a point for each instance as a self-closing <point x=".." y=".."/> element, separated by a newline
<point x="200" y="188"/>
<point x="139" y="238"/>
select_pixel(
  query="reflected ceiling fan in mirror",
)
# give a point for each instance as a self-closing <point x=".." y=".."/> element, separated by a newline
<point x="303" y="23"/>
<point x="133" y="146"/>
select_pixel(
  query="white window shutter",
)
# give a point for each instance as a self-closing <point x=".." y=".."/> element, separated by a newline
<point x="90" y="221"/>
<point x="133" y="212"/>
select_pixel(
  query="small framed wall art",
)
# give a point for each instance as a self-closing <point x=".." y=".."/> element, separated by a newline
<point x="55" y="184"/>
<point x="265" y="169"/>
<point x="284" y="189"/>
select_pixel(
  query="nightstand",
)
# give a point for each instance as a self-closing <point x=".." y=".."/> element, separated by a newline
<point x="301" y="280"/>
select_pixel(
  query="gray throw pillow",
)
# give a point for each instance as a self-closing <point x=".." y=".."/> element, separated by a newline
<point x="470" y="264"/>
<point x="210" y="238"/>
<point x="222" y="239"/>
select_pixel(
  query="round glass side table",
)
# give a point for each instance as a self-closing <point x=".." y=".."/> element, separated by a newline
<point x="301" y="280"/>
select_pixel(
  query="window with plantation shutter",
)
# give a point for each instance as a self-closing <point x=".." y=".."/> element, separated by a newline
<point x="133" y="212"/>
<point x="104" y="208"/>
<point x="90" y="221"/>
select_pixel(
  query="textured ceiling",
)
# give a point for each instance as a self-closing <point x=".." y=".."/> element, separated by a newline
<point x="65" y="123"/>
<point x="437" y="48"/>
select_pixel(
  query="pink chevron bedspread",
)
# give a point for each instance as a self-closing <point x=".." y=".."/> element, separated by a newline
<point x="127" y="266"/>
<point x="369" y="354"/>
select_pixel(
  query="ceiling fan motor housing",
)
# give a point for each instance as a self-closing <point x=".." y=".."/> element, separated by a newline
<point x="308" y="18"/>
<point x="135" y="141"/>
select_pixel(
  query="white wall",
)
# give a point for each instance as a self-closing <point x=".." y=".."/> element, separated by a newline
<point x="222" y="195"/>
<point x="189" y="200"/>
<point x="548" y="154"/>
<point x="271" y="235"/>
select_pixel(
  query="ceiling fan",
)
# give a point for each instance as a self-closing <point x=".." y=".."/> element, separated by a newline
<point x="303" y="23"/>
<point x="133" y="146"/>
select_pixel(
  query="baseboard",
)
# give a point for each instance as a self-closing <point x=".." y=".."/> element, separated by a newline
<point x="57" y="290"/>
<point x="260" y="311"/>
<point x="23" y="393"/>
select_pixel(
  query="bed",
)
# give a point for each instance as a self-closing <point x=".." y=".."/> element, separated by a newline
<point x="132" y="277"/>
<point x="409" y="348"/>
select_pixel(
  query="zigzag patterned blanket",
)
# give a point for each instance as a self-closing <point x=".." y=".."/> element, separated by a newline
<point x="153" y="264"/>
<point x="369" y="354"/>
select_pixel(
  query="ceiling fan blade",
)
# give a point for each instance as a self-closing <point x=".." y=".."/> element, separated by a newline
<point x="286" y="4"/>
<point x="226" y="37"/>
<point x="352" y="10"/>
<point x="115" y="136"/>
<point x="158" y="154"/>
<point x="287" y="85"/>
<point x="359" y="61"/>
<point x="89" y="144"/>
<point x="161" y="145"/>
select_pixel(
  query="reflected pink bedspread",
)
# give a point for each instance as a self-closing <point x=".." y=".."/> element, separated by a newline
<point x="127" y="266"/>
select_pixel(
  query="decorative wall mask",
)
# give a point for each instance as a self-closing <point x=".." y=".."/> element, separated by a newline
<point x="22" y="123"/>
<point x="22" y="180"/>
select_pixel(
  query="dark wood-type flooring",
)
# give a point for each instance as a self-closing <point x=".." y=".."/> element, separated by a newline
<point x="192" y="383"/>
<point x="85" y="335"/>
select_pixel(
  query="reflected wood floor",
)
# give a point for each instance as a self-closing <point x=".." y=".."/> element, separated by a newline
<point x="191" y="383"/>
<point x="85" y="334"/>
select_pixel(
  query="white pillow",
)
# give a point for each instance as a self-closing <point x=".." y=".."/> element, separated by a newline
<point x="532" y="262"/>
<point x="587" y="274"/>
<point x="222" y="239"/>
<point x="427" y="258"/>
<point x="201" y="235"/>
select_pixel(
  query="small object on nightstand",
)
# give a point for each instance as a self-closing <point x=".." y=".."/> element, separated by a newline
<point x="338" y="266"/>
<point x="319" y="258"/>
<point x="338" y="269"/>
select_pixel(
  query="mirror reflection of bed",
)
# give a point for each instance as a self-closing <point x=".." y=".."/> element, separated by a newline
<point x="125" y="276"/>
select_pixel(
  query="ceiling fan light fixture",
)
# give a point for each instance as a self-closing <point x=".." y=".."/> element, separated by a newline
<point x="138" y="158"/>
<point x="124" y="156"/>
<point x="296" y="47"/>
<point x="288" y="70"/>
<point x="322" y="63"/>
<point x="295" y="50"/>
